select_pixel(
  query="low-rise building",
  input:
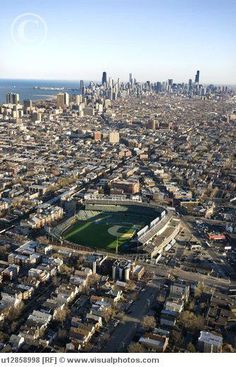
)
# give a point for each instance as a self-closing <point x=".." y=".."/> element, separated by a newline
<point x="209" y="342"/>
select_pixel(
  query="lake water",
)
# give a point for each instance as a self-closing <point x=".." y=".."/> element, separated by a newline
<point x="26" y="88"/>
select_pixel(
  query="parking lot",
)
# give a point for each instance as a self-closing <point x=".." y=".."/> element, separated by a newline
<point x="193" y="252"/>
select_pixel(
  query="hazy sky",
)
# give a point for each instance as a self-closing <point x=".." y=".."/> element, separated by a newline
<point x="153" y="39"/>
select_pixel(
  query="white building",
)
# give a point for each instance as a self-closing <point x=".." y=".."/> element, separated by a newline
<point x="209" y="342"/>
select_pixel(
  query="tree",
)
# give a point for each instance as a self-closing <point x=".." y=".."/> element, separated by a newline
<point x="64" y="269"/>
<point x="93" y="279"/>
<point x="149" y="323"/>
<point x="131" y="285"/>
<point x="62" y="315"/>
<point x="191" y="348"/>
<point x="176" y="337"/>
<point x="3" y="337"/>
<point x="191" y="305"/>
<point x="14" y="325"/>
<point x="14" y="312"/>
<point x="227" y="348"/>
<point x="88" y="347"/>
<point x="198" y="291"/>
<point x="190" y="321"/>
<point x="62" y="333"/>
<point x="161" y="298"/>
<point x="7" y="349"/>
<point x="108" y="314"/>
<point x="136" y="348"/>
<point x="55" y="280"/>
<point x="202" y="306"/>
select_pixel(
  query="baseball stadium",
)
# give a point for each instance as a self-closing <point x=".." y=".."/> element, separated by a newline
<point x="111" y="225"/>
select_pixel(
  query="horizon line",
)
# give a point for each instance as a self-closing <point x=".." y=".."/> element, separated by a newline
<point x="97" y="81"/>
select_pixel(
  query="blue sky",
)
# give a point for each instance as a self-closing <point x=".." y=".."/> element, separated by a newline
<point x="153" y="39"/>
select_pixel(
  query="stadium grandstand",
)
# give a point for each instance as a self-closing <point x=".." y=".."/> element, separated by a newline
<point x="109" y="221"/>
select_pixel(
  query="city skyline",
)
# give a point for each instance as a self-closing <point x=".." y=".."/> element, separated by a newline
<point x="126" y="79"/>
<point x="110" y="88"/>
<point x="152" y="39"/>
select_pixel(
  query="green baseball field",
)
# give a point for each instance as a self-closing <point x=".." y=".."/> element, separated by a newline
<point x="106" y="230"/>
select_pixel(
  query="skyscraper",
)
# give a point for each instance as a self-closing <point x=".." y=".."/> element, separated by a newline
<point x="131" y="79"/>
<point x="27" y="105"/>
<point x="104" y="78"/>
<point x="197" y="77"/>
<point x="66" y="99"/>
<point x="63" y="100"/>
<point x="81" y="86"/>
<point x="78" y="99"/>
<point x="158" y="87"/>
<point x="170" y="84"/>
<point x="12" y="98"/>
<point x="190" y="84"/>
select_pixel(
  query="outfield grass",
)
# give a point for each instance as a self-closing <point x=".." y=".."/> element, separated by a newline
<point x="96" y="235"/>
<point x="94" y="231"/>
